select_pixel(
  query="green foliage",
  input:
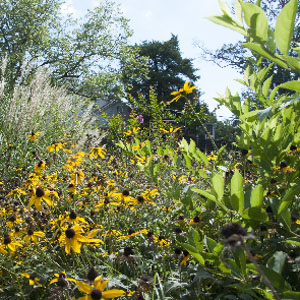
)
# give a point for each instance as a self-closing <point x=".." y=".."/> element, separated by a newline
<point x="84" y="55"/>
<point x="168" y="70"/>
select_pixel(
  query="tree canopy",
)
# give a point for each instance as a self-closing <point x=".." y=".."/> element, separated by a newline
<point x="85" y="55"/>
<point x="168" y="70"/>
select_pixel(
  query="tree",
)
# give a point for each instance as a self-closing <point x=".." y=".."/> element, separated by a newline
<point x="84" y="55"/>
<point x="168" y="70"/>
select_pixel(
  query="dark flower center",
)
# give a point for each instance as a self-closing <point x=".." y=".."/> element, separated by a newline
<point x="12" y="218"/>
<point x="125" y="193"/>
<point x="32" y="276"/>
<point x="196" y="219"/>
<point x="131" y="231"/>
<point x="177" y="251"/>
<point x="73" y="215"/>
<point x="92" y="274"/>
<point x="39" y="192"/>
<point x="293" y="147"/>
<point x="7" y="240"/>
<point x="62" y="282"/>
<point x="140" y="199"/>
<point x="96" y="294"/>
<point x="70" y="233"/>
<point x="128" y="251"/>
<point x="233" y="228"/>
<point x="30" y="232"/>
<point x="282" y="165"/>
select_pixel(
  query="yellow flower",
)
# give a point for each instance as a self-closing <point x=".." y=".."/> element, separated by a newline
<point x="33" y="236"/>
<point x="40" y="194"/>
<point x="72" y="238"/>
<point x="55" y="147"/>
<point x="77" y="177"/>
<point x="32" y="279"/>
<point x="96" y="291"/>
<point x="133" y="131"/>
<point x="16" y="192"/>
<point x="61" y="279"/>
<point x="187" y="89"/>
<point x="97" y="151"/>
<point x="38" y="168"/>
<point x="33" y="136"/>
<point x="171" y="130"/>
<point x="8" y="243"/>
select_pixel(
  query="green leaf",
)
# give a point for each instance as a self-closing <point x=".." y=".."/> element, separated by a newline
<point x="284" y="27"/>
<point x="224" y="8"/>
<point x="276" y="279"/>
<point x="277" y="261"/>
<point x="288" y="197"/>
<point x="218" y="186"/>
<point x="265" y="53"/>
<point x="228" y="22"/>
<point x="236" y="192"/>
<point x="257" y="20"/>
<point x="293" y="241"/>
<point x="209" y="196"/>
<point x="211" y="244"/>
<point x="293" y="85"/>
<point x="266" y="86"/>
<point x="238" y="10"/>
<point x="255" y="214"/>
<point x="256" y="199"/>
<point x="194" y="252"/>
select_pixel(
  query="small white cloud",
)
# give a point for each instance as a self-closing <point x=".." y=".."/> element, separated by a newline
<point x="68" y="8"/>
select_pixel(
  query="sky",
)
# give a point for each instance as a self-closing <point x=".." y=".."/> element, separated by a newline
<point x="159" y="19"/>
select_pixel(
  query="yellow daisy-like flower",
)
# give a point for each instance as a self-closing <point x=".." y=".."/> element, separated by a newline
<point x="32" y="279"/>
<point x="40" y="194"/>
<point x="33" y="136"/>
<point x="7" y="243"/>
<point x="77" y="177"/>
<point x="96" y="291"/>
<point x="73" y="238"/>
<point x="33" y="236"/>
<point x="133" y="131"/>
<point x="38" y="168"/>
<point x="61" y="279"/>
<point x="187" y="89"/>
<point x="171" y="130"/>
<point x="97" y="151"/>
<point x="55" y="147"/>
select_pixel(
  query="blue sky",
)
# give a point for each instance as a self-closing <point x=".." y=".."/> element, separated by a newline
<point x="158" y="19"/>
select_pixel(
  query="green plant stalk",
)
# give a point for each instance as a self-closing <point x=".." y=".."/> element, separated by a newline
<point x="202" y="125"/>
<point x="259" y="270"/>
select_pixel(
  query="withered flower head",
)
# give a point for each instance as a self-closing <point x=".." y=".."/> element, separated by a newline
<point x="92" y="274"/>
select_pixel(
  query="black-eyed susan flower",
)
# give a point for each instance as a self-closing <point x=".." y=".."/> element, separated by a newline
<point x="33" y="236"/>
<point x="73" y="218"/>
<point x="132" y="131"/>
<point x="284" y="168"/>
<point x="170" y="130"/>
<point x="77" y="177"/>
<point x="96" y="291"/>
<point x="186" y="257"/>
<point x="39" y="167"/>
<point x="8" y="243"/>
<point x="32" y="279"/>
<point x="97" y="151"/>
<point x="294" y="150"/>
<point x="73" y="238"/>
<point x="40" y="194"/>
<point x="55" y="147"/>
<point x="187" y="89"/>
<point x="61" y="279"/>
<point x="34" y="135"/>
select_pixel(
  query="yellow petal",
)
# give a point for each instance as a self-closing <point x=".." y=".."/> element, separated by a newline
<point x="113" y="293"/>
<point x="84" y="287"/>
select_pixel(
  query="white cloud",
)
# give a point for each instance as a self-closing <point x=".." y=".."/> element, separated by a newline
<point x="68" y="8"/>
